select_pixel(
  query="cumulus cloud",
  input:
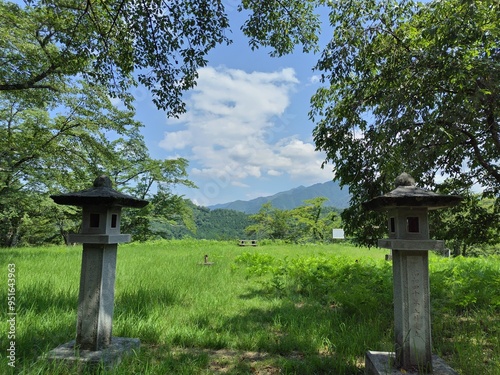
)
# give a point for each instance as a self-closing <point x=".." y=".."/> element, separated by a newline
<point x="315" y="79"/>
<point x="233" y="128"/>
<point x="176" y="140"/>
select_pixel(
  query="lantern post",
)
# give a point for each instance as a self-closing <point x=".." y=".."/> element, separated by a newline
<point x="100" y="236"/>
<point x="407" y="208"/>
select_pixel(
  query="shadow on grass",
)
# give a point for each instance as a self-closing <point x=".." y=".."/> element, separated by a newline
<point x="299" y="338"/>
<point x="310" y="338"/>
<point x="253" y="293"/>
<point x="140" y="303"/>
<point x="44" y="296"/>
<point x="289" y="335"/>
<point x="167" y="360"/>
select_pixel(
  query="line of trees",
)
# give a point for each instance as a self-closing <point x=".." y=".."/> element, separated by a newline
<point x="310" y="222"/>
<point x="62" y="62"/>
<point x="470" y="228"/>
<point x="406" y="86"/>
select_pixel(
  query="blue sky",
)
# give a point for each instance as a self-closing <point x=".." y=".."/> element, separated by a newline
<point x="246" y="132"/>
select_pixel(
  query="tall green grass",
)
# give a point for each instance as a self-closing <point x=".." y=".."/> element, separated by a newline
<point x="308" y="309"/>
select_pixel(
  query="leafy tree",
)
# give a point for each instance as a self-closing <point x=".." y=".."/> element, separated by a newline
<point x="282" y="24"/>
<point x="410" y="87"/>
<point x="48" y="145"/>
<point x="153" y="181"/>
<point x="44" y="222"/>
<point x="270" y="222"/>
<point x="58" y="126"/>
<point x="104" y="42"/>
<point x="310" y="222"/>
<point x="63" y="147"/>
<point x="44" y="150"/>
<point x="475" y="222"/>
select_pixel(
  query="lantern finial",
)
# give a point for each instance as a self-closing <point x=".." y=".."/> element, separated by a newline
<point x="404" y="179"/>
<point x="103" y="181"/>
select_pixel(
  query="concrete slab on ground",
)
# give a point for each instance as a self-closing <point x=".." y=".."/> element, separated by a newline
<point x="380" y="363"/>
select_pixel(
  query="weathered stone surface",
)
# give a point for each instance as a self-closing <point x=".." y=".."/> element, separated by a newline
<point x="96" y="298"/>
<point x="407" y="194"/>
<point x="109" y="357"/>
<point x="99" y="238"/>
<point x="412" y="320"/>
<point x="101" y="193"/>
<point x="399" y="244"/>
<point x="382" y="363"/>
<point x="407" y="207"/>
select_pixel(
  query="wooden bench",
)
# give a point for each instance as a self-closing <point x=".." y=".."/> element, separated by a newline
<point x="247" y="243"/>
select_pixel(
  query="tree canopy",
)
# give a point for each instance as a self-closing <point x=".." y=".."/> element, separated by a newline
<point x="63" y="147"/>
<point x="409" y="87"/>
<point x="310" y="222"/>
<point x="62" y="61"/>
<point x="163" y="42"/>
<point x="59" y="128"/>
<point x="469" y="228"/>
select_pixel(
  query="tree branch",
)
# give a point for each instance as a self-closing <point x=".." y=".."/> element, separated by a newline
<point x="490" y="168"/>
<point x="493" y="126"/>
<point x="25" y="86"/>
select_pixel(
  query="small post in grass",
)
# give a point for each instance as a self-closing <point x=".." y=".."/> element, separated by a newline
<point x="206" y="262"/>
<point x="100" y="235"/>
<point x="407" y="207"/>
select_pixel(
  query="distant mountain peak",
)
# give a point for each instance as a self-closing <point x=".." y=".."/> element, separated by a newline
<point x="289" y="199"/>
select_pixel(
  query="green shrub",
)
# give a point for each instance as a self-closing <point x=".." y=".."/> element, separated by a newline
<point x="465" y="283"/>
<point x="353" y="285"/>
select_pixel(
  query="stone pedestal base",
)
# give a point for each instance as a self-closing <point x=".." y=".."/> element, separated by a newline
<point x="108" y="357"/>
<point x="381" y="363"/>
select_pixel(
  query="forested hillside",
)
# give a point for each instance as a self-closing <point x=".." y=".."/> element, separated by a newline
<point x="309" y="222"/>
<point x="218" y="224"/>
<point x="405" y="86"/>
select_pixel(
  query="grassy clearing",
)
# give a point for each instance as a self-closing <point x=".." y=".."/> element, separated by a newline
<point x="289" y="309"/>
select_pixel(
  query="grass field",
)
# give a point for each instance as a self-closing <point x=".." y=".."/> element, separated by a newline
<point x="274" y="308"/>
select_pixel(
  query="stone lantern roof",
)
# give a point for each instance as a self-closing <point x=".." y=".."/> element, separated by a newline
<point x="102" y="193"/>
<point x="406" y="194"/>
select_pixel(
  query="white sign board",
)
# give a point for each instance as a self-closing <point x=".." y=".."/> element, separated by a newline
<point x="338" y="234"/>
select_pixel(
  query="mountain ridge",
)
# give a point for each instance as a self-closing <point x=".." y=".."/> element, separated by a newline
<point x="289" y="199"/>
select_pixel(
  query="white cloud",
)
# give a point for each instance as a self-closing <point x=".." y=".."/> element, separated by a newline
<point x="226" y="129"/>
<point x="176" y="140"/>
<point x="273" y="172"/>
<point x="315" y="79"/>
<point x="239" y="184"/>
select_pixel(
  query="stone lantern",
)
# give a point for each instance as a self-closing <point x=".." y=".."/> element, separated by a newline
<point x="407" y="207"/>
<point x="100" y="235"/>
